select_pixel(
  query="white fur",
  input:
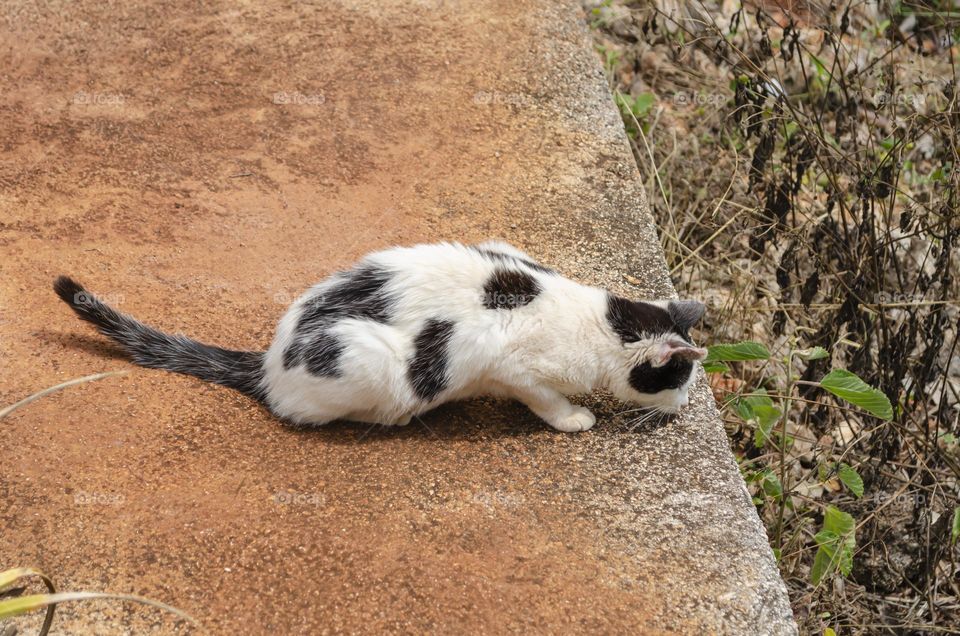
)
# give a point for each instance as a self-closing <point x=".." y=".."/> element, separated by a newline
<point x="560" y="344"/>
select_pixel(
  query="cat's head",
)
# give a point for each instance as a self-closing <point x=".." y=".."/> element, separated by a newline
<point x="655" y="358"/>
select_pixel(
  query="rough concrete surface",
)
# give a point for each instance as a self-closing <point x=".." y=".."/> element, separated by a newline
<point x="199" y="166"/>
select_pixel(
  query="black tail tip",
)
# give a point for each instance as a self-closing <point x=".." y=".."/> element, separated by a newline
<point x="70" y="291"/>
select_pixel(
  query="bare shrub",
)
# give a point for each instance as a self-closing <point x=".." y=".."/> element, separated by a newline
<point x="803" y="166"/>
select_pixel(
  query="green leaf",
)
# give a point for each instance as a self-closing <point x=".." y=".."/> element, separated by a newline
<point x="8" y="577"/>
<point x="847" y="386"/>
<point x="828" y="539"/>
<point x="823" y="472"/>
<point x="21" y="605"/>
<point x="746" y="350"/>
<point x="822" y="71"/>
<point x="815" y="353"/>
<point x="767" y="416"/>
<point x="828" y="631"/>
<point x="821" y="563"/>
<point x="955" y="530"/>
<point x="638" y="106"/>
<point x="846" y="558"/>
<point x="743" y="409"/>
<point x="771" y="486"/>
<point x="836" y="544"/>
<point x="844" y="526"/>
<point x="851" y="479"/>
<point x="838" y="521"/>
<point x="760" y="410"/>
<point x="642" y="104"/>
<point x="24" y="604"/>
<point x="715" y="367"/>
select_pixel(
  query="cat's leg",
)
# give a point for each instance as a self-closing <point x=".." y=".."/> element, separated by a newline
<point x="555" y="409"/>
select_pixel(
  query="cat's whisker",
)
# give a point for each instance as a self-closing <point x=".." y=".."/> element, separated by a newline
<point x="652" y="414"/>
<point x="640" y="409"/>
<point x="429" y="430"/>
<point x="646" y="413"/>
<point x="639" y="420"/>
<point x="366" y="432"/>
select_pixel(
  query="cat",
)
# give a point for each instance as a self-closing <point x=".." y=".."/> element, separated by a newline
<point x="409" y="328"/>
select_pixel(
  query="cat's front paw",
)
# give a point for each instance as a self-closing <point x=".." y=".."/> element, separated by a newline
<point x="580" y="420"/>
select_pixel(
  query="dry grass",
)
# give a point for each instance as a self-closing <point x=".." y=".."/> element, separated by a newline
<point x="803" y="165"/>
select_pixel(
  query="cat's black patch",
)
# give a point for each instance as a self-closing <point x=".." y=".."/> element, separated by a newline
<point x="502" y="257"/>
<point x="630" y="320"/>
<point x="359" y="293"/>
<point x="509" y="289"/>
<point x="428" y="367"/>
<point x="645" y="378"/>
<point x="322" y="355"/>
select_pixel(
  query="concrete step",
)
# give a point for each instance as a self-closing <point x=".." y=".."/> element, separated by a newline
<point x="204" y="165"/>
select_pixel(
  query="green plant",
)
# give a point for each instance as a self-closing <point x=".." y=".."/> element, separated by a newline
<point x="600" y="15"/>
<point x="14" y="603"/>
<point x="835" y="545"/>
<point x="810" y="191"/>
<point x="611" y="58"/>
<point x="634" y="110"/>
<point x="762" y="410"/>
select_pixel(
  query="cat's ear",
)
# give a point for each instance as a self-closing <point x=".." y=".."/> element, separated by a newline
<point x="685" y="313"/>
<point x="679" y="350"/>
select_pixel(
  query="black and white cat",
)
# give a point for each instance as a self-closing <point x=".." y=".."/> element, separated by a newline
<point x="410" y="328"/>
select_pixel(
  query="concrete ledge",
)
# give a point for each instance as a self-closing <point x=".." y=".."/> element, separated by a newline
<point x="677" y="506"/>
<point x="254" y="151"/>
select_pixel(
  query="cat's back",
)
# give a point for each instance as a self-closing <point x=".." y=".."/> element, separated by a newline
<point x="458" y="281"/>
<point x="432" y="263"/>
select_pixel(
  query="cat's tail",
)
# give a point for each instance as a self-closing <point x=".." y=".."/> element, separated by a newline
<point x="240" y="370"/>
